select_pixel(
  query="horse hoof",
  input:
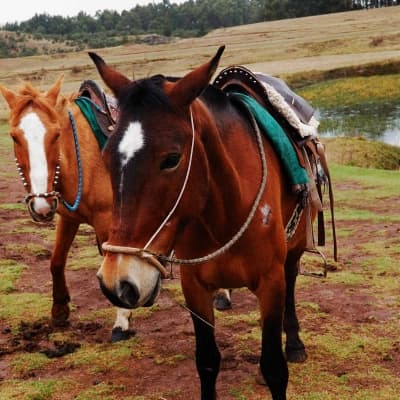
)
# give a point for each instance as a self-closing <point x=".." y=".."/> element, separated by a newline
<point x="59" y="322"/>
<point x="60" y="314"/>
<point x="117" y="334"/>
<point x="296" y="356"/>
<point x="221" y="303"/>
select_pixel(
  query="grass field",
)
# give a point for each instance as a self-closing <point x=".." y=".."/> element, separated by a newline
<point x="350" y="320"/>
<point x="279" y="47"/>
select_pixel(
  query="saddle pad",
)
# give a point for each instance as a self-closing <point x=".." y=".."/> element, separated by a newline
<point x="86" y="107"/>
<point x="296" y="174"/>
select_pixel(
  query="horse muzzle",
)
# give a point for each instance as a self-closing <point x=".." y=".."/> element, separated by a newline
<point x="42" y="209"/>
<point x="129" y="281"/>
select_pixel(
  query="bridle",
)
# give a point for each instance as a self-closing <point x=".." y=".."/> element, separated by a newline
<point x="156" y="258"/>
<point x="29" y="196"/>
<point x="54" y="193"/>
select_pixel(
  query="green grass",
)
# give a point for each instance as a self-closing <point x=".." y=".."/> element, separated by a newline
<point x="360" y="152"/>
<point x="32" y="249"/>
<point x="28" y="307"/>
<point x="85" y="257"/>
<point x="33" y="389"/>
<point x="370" y="183"/>
<point x="10" y="271"/>
<point x="102" y="391"/>
<point x="352" y="214"/>
<point x="352" y="91"/>
<point x="101" y="358"/>
<point x="13" y="206"/>
<point x="26" y="363"/>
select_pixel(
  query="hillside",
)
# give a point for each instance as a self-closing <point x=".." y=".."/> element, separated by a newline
<point x="280" y="47"/>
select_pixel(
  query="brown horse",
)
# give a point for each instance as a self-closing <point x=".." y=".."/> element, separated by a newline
<point x="190" y="172"/>
<point x="58" y="158"/>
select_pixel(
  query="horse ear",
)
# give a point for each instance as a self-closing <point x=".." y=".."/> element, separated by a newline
<point x="191" y="85"/>
<point x="10" y="96"/>
<point x="115" y="80"/>
<point x="54" y="91"/>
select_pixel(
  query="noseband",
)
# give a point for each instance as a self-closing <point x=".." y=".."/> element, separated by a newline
<point x="141" y="253"/>
<point x="45" y="195"/>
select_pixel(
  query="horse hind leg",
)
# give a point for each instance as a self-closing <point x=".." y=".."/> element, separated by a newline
<point x="294" y="348"/>
<point x="65" y="234"/>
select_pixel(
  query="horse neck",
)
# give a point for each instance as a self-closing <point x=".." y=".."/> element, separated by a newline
<point x="88" y="148"/>
<point x="231" y="152"/>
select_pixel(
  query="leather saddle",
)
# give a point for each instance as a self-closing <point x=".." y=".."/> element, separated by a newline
<point x="296" y="116"/>
<point x="104" y="107"/>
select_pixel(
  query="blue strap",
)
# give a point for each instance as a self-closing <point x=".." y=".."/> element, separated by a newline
<point x="77" y="201"/>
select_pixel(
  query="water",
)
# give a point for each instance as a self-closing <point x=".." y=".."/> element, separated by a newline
<point x="374" y="121"/>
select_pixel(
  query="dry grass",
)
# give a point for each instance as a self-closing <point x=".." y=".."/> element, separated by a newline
<point x="278" y="47"/>
<point x="362" y="153"/>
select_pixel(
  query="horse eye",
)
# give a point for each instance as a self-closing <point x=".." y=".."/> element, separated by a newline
<point x="170" y="161"/>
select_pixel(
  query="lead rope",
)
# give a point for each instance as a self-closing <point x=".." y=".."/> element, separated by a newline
<point x="77" y="201"/>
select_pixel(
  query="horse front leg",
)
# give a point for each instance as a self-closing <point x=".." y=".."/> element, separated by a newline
<point x="65" y="234"/>
<point x="273" y="365"/>
<point x="295" y="349"/>
<point x="208" y="358"/>
<point x="120" y="330"/>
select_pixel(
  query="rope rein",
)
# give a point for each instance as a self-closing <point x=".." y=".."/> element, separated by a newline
<point x="182" y="189"/>
<point x="77" y="201"/>
<point x="171" y="259"/>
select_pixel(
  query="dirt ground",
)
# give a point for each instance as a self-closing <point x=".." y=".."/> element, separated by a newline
<point x="168" y="332"/>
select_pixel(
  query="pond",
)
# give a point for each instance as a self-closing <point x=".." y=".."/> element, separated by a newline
<point x="374" y="121"/>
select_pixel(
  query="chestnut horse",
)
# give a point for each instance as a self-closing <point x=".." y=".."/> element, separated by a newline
<point x="191" y="172"/>
<point x="58" y="158"/>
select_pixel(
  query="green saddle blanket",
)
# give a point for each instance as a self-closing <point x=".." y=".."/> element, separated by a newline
<point x="85" y="105"/>
<point x="296" y="174"/>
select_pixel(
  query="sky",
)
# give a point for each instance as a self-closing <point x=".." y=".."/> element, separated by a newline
<point x="22" y="10"/>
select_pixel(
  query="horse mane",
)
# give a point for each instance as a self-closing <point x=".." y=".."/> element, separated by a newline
<point x="145" y="93"/>
<point x="30" y="95"/>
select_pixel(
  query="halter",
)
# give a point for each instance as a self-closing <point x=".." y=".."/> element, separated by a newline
<point x="146" y="253"/>
<point x="31" y="195"/>
<point x="54" y="192"/>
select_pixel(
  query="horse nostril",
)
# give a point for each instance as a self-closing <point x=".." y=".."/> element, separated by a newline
<point x="129" y="293"/>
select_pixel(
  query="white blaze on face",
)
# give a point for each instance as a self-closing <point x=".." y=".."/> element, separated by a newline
<point x="34" y="133"/>
<point x="131" y="143"/>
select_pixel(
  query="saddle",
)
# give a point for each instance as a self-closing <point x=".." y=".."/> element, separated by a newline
<point x="296" y="117"/>
<point x="103" y="107"/>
